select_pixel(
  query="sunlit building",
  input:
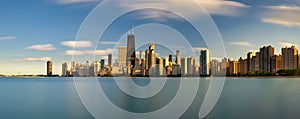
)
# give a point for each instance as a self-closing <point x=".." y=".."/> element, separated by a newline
<point x="289" y="58"/>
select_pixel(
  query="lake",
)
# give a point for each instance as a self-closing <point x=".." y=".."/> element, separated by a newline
<point x="241" y="98"/>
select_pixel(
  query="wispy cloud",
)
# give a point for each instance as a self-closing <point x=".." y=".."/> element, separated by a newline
<point x="198" y="49"/>
<point x="77" y="44"/>
<point x="108" y="43"/>
<point x="242" y="43"/>
<point x="8" y="38"/>
<point x="88" y="52"/>
<point x="76" y="1"/>
<point x="34" y="59"/>
<point x="286" y="44"/>
<point x="214" y="7"/>
<point x="282" y="15"/>
<point x="42" y="47"/>
<point x="223" y="7"/>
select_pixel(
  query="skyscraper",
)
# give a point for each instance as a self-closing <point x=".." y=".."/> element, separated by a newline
<point x="64" y="69"/>
<point x="49" y="68"/>
<point x="233" y="67"/>
<point x="265" y="58"/>
<point x="204" y="62"/>
<point x="102" y="62"/>
<point x="110" y="60"/>
<point x="152" y="57"/>
<point x="276" y="63"/>
<point x="147" y="61"/>
<point x="178" y="57"/>
<point x="184" y="66"/>
<point x="130" y="60"/>
<point x="250" y="55"/>
<point x="289" y="57"/>
<point x="170" y="58"/>
<point x="191" y="65"/>
<point x="122" y="56"/>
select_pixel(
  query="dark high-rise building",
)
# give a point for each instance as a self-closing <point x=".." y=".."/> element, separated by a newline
<point x="250" y="55"/>
<point x="49" y="68"/>
<point x="102" y="62"/>
<point x="110" y="59"/>
<point x="265" y="58"/>
<point x="130" y="60"/>
<point x="276" y="63"/>
<point x="170" y="58"/>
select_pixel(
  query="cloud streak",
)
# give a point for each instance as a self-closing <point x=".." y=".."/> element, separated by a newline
<point x="8" y="38"/>
<point x="284" y="15"/>
<point x="65" y="2"/>
<point x="214" y="7"/>
<point x="42" y="47"/>
<point x="242" y="43"/>
<point x="87" y="52"/>
<point x="108" y="43"/>
<point x="286" y="44"/>
<point x="34" y="59"/>
<point x="77" y="44"/>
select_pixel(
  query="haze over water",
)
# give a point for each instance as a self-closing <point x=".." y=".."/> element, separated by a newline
<point x="56" y="98"/>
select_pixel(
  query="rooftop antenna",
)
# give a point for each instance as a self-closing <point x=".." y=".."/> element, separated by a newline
<point x="129" y="30"/>
<point x="132" y="29"/>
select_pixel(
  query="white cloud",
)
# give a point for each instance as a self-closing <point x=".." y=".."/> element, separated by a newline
<point x="286" y="44"/>
<point x="77" y="44"/>
<point x="198" y="49"/>
<point x="42" y="47"/>
<point x="215" y="7"/>
<point x="8" y="38"/>
<point x="34" y="59"/>
<point x="88" y="52"/>
<point x="242" y="43"/>
<point x="108" y="43"/>
<point x="223" y="7"/>
<point x="282" y="15"/>
<point x="75" y="1"/>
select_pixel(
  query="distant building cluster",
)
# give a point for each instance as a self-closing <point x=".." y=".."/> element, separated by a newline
<point x="263" y="62"/>
<point x="149" y="64"/>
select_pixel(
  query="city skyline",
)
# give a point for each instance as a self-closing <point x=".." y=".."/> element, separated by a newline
<point x="46" y="30"/>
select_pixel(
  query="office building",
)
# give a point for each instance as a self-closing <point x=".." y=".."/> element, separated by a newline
<point x="110" y="60"/>
<point x="178" y="57"/>
<point x="204" y="62"/>
<point x="265" y="58"/>
<point x="276" y="63"/>
<point x="102" y="63"/>
<point x="243" y="66"/>
<point x="289" y="58"/>
<point x="130" y="60"/>
<point x="49" y="68"/>
<point x="152" y="57"/>
<point x="64" y="69"/>
<point x="191" y="66"/>
<point x="250" y="66"/>
<point x="122" y="56"/>
<point x="233" y="68"/>
<point x="184" y="66"/>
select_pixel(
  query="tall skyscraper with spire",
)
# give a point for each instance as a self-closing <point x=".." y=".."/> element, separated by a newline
<point x="131" y="56"/>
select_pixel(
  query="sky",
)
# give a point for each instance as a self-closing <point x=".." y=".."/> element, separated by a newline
<point x="35" y="31"/>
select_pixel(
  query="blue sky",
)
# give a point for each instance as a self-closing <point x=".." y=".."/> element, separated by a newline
<point x="34" y="31"/>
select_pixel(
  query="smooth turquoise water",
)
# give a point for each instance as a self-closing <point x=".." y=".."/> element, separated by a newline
<point x="244" y="98"/>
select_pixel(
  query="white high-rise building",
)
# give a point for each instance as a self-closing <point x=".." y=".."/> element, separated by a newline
<point x="64" y="69"/>
<point x="184" y="66"/>
<point x="204" y="62"/>
<point x="122" y="56"/>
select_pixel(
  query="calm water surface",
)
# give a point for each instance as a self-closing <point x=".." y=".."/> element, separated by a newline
<point x="243" y="98"/>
